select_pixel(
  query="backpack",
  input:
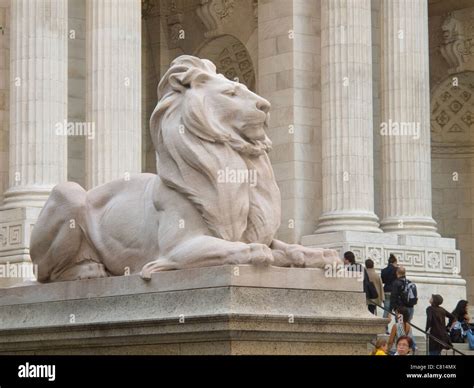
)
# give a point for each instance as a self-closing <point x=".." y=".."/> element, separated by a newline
<point x="409" y="294"/>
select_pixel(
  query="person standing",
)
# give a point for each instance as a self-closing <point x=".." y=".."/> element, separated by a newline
<point x="436" y="325"/>
<point x="359" y="270"/>
<point x="404" y="293"/>
<point x="377" y="282"/>
<point x="389" y="275"/>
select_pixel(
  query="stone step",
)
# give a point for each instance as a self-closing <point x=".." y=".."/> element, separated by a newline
<point x="464" y="348"/>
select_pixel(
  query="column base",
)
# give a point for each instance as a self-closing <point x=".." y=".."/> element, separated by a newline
<point x="23" y="197"/>
<point x="346" y="221"/>
<point x="15" y="231"/>
<point x="432" y="262"/>
<point x="420" y="226"/>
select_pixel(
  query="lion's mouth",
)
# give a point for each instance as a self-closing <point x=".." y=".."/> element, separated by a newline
<point x="252" y="132"/>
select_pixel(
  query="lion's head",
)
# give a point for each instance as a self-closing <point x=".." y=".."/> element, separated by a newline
<point x="205" y="124"/>
<point x="213" y="107"/>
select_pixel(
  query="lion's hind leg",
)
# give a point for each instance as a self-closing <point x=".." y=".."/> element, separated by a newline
<point x="59" y="246"/>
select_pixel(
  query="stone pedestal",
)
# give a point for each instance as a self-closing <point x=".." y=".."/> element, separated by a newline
<point x="433" y="263"/>
<point x="215" y="310"/>
<point x="15" y="232"/>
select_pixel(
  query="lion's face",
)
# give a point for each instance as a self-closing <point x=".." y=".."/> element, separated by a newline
<point x="233" y="105"/>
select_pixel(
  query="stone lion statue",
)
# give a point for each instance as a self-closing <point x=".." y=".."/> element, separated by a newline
<point x="200" y="210"/>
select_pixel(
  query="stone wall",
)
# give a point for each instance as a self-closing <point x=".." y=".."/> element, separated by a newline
<point x="289" y="76"/>
<point x="452" y="125"/>
<point x="4" y="93"/>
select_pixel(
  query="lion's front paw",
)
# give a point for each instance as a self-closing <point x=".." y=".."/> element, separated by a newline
<point x="312" y="257"/>
<point x="260" y="254"/>
<point x="331" y="257"/>
<point x="155" y="266"/>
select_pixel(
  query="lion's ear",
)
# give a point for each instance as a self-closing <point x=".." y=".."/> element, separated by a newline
<point x="189" y="79"/>
<point x="200" y="79"/>
<point x="177" y="82"/>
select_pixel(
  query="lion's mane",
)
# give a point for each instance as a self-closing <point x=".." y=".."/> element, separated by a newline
<point x="192" y="147"/>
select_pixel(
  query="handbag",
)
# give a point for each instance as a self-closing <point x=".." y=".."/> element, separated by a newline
<point x="371" y="291"/>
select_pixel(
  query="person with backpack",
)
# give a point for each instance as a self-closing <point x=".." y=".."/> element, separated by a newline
<point x="404" y="293"/>
<point x="436" y="325"/>
<point x="388" y="275"/>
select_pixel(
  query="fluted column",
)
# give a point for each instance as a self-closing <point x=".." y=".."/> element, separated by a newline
<point x="347" y="124"/>
<point x="113" y="106"/>
<point x="405" y="118"/>
<point x="38" y="101"/>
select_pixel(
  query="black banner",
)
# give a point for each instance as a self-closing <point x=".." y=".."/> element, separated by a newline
<point x="136" y="371"/>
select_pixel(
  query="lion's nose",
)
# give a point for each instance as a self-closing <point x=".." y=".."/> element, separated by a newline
<point x="263" y="105"/>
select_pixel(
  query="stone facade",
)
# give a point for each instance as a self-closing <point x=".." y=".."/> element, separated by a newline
<point x="451" y="32"/>
<point x="289" y="77"/>
<point x="339" y="178"/>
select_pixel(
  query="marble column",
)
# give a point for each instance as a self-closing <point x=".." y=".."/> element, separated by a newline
<point x="347" y="123"/>
<point x="113" y="102"/>
<point x="405" y="118"/>
<point x="38" y="101"/>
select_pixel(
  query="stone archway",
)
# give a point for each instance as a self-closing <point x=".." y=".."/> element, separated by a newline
<point x="231" y="58"/>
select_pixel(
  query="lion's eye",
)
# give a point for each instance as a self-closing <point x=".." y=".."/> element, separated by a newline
<point x="230" y="92"/>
